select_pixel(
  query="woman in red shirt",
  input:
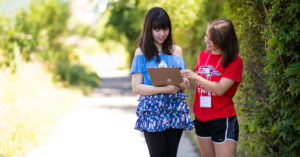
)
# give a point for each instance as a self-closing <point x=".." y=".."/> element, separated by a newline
<point x="218" y="74"/>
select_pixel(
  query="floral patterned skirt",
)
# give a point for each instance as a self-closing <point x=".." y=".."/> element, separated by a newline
<point x="162" y="111"/>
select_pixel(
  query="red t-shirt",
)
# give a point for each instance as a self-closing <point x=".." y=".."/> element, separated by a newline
<point x="209" y="66"/>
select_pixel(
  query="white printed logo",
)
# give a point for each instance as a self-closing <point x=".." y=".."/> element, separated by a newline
<point x="162" y="64"/>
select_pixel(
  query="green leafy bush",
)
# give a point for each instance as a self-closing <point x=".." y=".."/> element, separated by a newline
<point x="269" y="97"/>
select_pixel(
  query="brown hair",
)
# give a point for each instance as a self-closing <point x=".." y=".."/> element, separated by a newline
<point x="221" y="32"/>
<point x="156" y="18"/>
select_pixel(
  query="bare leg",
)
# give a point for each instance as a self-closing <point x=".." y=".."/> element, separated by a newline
<point x="206" y="147"/>
<point x="227" y="149"/>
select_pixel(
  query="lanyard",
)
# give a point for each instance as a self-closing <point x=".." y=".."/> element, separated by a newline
<point x="217" y="63"/>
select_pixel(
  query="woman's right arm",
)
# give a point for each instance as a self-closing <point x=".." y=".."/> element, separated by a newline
<point x="139" y="88"/>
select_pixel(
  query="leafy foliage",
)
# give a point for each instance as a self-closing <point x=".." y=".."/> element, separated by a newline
<point x="269" y="97"/>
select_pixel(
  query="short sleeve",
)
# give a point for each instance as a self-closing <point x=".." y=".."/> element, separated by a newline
<point x="182" y="63"/>
<point x="234" y="70"/>
<point x="198" y="61"/>
<point x="138" y="64"/>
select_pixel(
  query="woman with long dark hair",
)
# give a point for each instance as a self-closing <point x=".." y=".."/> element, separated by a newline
<point x="162" y="111"/>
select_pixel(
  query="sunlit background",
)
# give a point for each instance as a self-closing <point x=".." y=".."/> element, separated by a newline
<point x="54" y="53"/>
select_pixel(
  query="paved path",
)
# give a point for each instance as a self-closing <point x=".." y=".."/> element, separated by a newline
<point x="103" y="125"/>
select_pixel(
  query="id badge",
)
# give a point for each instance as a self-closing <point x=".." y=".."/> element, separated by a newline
<point x="205" y="101"/>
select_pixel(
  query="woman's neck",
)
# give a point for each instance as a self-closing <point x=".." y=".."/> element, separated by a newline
<point x="216" y="52"/>
<point x="158" y="46"/>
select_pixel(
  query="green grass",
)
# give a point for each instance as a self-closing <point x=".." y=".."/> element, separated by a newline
<point x="30" y="104"/>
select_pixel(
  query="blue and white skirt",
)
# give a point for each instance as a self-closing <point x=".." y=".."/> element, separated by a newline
<point x="162" y="111"/>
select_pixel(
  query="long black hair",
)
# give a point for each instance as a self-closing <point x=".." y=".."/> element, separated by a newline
<point x="221" y="32"/>
<point x="156" y="18"/>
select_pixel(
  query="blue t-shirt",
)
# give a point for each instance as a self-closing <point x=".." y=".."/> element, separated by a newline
<point x="140" y="65"/>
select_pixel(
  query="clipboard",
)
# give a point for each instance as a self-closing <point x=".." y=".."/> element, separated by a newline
<point x="165" y="76"/>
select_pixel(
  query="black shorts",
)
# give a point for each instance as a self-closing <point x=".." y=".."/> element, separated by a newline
<point x="219" y="130"/>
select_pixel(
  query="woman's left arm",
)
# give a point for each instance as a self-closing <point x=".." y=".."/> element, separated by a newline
<point x="218" y="88"/>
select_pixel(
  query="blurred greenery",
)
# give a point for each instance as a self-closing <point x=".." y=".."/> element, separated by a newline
<point x="39" y="32"/>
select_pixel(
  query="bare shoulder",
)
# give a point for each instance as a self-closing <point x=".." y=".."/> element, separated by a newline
<point x="138" y="51"/>
<point x="177" y="51"/>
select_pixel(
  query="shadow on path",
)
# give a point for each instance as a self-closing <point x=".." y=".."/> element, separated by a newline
<point x="114" y="86"/>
